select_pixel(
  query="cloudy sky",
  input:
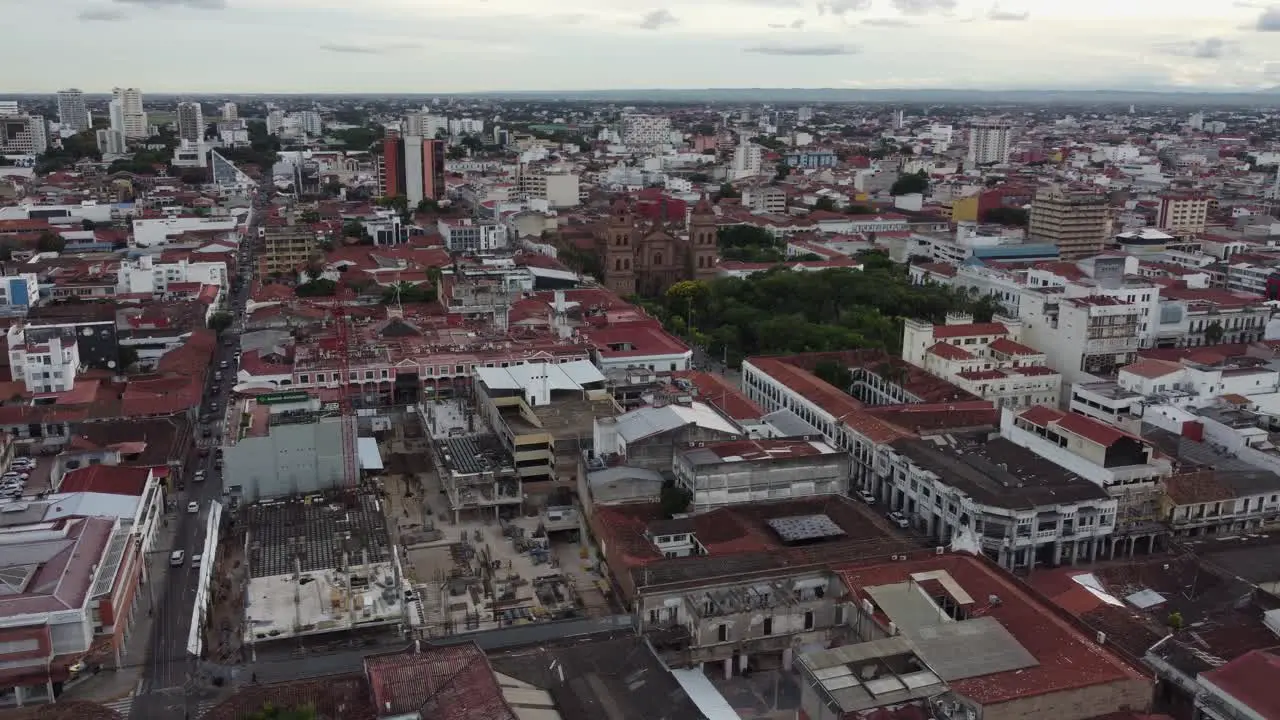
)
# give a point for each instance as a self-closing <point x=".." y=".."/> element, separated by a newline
<point x="475" y="45"/>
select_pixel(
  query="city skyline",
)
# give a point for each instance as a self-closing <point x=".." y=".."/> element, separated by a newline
<point x="501" y="45"/>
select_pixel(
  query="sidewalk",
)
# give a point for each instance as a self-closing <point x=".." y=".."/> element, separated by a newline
<point x="116" y="683"/>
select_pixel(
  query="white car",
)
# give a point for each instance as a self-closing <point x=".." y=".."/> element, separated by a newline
<point x="176" y="557"/>
<point x="193" y="507"/>
<point x="195" y="560"/>
<point x="899" y="519"/>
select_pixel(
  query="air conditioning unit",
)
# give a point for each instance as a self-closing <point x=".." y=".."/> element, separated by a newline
<point x="939" y="550"/>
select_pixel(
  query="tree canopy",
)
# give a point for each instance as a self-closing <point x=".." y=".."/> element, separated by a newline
<point x="316" y="288"/>
<point x="50" y="242"/>
<point x="750" y="244"/>
<point x="908" y="183"/>
<point x="358" y="138"/>
<point x="220" y="321"/>
<point x="74" y="149"/>
<point x="784" y="311"/>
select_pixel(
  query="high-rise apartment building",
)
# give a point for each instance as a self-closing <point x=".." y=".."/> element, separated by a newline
<point x="989" y="141"/>
<point x="748" y="160"/>
<point x="412" y="166"/>
<point x="1077" y="221"/>
<point x="133" y="119"/>
<point x="1181" y="213"/>
<point x="275" y="122"/>
<point x="8" y="107"/>
<point x="310" y="123"/>
<point x="230" y="113"/>
<point x="645" y="130"/>
<point x="72" y="112"/>
<point x="111" y="142"/>
<point x="115" y="112"/>
<point x="190" y="122"/>
<point x="23" y="135"/>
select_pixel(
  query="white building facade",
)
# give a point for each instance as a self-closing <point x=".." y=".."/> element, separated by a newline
<point x="146" y="276"/>
<point x="463" y="235"/>
<point x="44" y="359"/>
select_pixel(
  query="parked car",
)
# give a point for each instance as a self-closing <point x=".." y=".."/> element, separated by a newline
<point x="195" y="560"/>
<point x="177" y="557"/>
<point x="867" y="496"/>
<point x="899" y="519"/>
<point x="193" y="507"/>
<point x="199" y="476"/>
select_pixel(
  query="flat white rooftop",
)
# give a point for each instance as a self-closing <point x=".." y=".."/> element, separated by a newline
<point x="319" y="602"/>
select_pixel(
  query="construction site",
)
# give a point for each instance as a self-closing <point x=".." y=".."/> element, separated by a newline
<point x="319" y="564"/>
<point x="472" y="556"/>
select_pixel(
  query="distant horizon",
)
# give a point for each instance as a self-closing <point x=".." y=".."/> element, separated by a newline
<point x="514" y="48"/>
<point x="1151" y="90"/>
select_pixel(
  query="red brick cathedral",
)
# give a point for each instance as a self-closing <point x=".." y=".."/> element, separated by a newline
<point x="645" y="258"/>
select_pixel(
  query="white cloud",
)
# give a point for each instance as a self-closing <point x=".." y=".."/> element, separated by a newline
<point x="333" y="45"/>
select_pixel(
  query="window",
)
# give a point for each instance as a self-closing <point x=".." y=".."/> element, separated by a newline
<point x="653" y="616"/>
<point x="808" y="620"/>
<point x="722" y="633"/>
<point x="768" y="626"/>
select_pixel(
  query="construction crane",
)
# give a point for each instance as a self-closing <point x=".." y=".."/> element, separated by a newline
<point x="340" y="345"/>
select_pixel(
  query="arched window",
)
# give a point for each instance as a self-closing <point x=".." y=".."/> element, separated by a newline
<point x="617" y="264"/>
<point x="657" y="259"/>
<point x="626" y="264"/>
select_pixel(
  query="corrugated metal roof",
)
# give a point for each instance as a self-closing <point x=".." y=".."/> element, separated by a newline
<point x="559" y="376"/>
<point x="647" y="422"/>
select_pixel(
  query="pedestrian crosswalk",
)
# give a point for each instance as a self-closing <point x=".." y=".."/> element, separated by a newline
<point x="121" y="706"/>
<point x="124" y="706"/>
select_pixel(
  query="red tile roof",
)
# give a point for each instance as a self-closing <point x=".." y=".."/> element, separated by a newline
<point x="937" y="268"/>
<point x="110" y="479"/>
<point x="1251" y="679"/>
<point x="634" y="339"/>
<point x="1010" y="347"/>
<point x="917" y="418"/>
<point x="724" y="396"/>
<point x="1068" y="658"/>
<point x="742" y="530"/>
<point x="1152" y="368"/>
<point x="1090" y="429"/>
<point x="452" y="682"/>
<point x="63" y="581"/>
<point x="1042" y="415"/>
<point x="17" y="226"/>
<point x="63" y="710"/>
<point x="832" y="400"/>
<point x="947" y="351"/>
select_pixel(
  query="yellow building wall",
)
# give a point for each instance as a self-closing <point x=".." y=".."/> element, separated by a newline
<point x="965" y="209"/>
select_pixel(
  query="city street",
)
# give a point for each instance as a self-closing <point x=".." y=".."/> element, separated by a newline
<point x="169" y="665"/>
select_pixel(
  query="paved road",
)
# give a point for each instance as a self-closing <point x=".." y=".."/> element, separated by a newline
<point x="169" y="665"/>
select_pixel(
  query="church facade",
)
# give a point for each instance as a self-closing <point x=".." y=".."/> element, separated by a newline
<point x="643" y="258"/>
